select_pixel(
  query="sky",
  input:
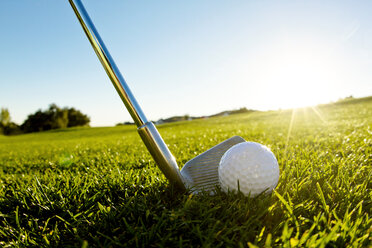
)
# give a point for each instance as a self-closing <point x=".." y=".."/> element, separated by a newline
<point x="184" y="57"/>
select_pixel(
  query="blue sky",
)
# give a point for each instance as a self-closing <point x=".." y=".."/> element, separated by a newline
<point x="184" y="57"/>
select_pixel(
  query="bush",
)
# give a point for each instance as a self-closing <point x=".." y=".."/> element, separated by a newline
<point x="54" y="118"/>
<point x="12" y="129"/>
<point x="76" y="118"/>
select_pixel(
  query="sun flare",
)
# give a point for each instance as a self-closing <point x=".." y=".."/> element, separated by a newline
<point x="298" y="75"/>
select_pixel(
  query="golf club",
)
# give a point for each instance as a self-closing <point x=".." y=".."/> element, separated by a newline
<point x="200" y="173"/>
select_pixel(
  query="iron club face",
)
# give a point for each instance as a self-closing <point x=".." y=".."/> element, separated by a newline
<point x="201" y="173"/>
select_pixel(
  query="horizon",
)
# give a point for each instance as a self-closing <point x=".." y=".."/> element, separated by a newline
<point x="189" y="58"/>
<point x="211" y="115"/>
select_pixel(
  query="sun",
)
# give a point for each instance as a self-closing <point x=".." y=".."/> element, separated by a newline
<point x="298" y="75"/>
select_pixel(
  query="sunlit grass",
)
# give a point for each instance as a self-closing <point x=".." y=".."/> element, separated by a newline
<point x="100" y="187"/>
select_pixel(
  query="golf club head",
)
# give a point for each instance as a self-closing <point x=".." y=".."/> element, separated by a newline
<point x="201" y="173"/>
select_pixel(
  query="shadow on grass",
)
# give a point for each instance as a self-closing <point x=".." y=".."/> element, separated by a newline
<point x="129" y="215"/>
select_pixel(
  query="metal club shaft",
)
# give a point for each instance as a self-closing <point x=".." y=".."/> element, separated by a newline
<point x="147" y="130"/>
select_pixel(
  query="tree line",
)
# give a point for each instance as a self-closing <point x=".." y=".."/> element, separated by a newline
<point x="42" y="120"/>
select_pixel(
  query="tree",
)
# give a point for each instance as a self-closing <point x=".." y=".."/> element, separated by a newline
<point x="76" y="118"/>
<point x="39" y="121"/>
<point x="12" y="129"/>
<point x="58" y="117"/>
<point x="6" y="126"/>
<point x="54" y="118"/>
<point x="4" y="117"/>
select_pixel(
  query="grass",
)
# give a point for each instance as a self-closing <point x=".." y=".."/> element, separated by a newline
<point x="97" y="187"/>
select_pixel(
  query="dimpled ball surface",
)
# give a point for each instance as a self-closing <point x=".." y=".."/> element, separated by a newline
<point x="251" y="164"/>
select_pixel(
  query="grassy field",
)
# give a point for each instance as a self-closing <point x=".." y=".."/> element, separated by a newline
<point x="87" y="187"/>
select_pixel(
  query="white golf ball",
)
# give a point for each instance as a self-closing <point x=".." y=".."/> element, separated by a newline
<point x="249" y="166"/>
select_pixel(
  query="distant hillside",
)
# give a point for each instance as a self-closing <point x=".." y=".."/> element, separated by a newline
<point x="351" y="99"/>
<point x="189" y="118"/>
<point x="347" y="100"/>
<point x="231" y="112"/>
